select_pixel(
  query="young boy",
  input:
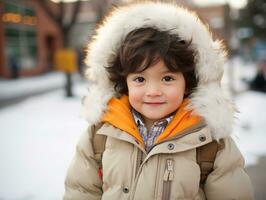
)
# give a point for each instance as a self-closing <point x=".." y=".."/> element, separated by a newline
<point x="155" y="100"/>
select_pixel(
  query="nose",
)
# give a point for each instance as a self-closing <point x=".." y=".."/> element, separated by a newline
<point x="153" y="90"/>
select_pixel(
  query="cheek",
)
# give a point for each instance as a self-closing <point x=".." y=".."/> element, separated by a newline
<point x="176" y="94"/>
<point x="135" y="95"/>
<point x="175" y="98"/>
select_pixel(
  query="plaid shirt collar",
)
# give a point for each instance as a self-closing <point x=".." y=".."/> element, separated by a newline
<point x="157" y="128"/>
<point x="138" y="119"/>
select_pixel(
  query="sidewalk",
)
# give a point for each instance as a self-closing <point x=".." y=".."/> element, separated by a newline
<point x="14" y="91"/>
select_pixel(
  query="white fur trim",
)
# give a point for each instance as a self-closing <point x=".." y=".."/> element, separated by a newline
<point x="210" y="102"/>
<point x="207" y="100"/>
<point x="95" y="103"/>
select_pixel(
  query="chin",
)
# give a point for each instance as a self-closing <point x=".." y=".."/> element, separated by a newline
<point x="154" y="117"/>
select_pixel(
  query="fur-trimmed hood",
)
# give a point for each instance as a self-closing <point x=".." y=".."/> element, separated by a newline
<point x="207" y="100"/>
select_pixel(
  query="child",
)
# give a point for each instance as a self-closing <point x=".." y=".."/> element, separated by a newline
<point x="156" y="99"/>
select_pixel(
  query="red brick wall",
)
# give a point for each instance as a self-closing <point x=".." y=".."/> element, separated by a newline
<point x="212" y="12"/>
<point x="45" y="28"/>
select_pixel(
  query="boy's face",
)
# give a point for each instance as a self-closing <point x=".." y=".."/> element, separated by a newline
<point x="156" y="92"/>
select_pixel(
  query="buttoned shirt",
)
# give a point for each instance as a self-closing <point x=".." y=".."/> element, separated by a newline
<point x="149" y="137"/>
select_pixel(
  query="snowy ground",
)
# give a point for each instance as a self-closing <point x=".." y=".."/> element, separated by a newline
<point x="23" y="86"/>
<point x="38" y="138"/>
<point x="251" y="125"/>
<point x="249" y="131"/>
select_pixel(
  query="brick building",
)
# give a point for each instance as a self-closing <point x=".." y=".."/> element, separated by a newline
<point x="218" y="18"/>
<point x="28" y="39"/>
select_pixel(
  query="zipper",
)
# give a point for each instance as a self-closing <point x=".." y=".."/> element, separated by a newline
<point x="168" y="177"/>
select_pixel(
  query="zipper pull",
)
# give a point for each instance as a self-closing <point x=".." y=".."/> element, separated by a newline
<point x="169" y="170"/>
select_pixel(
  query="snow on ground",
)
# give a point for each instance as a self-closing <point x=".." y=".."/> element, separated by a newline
<point x="249" y="132"/>
<point x="38" y="138"/>
<point x="23" y="86"/>
<point x="37" y="143"/>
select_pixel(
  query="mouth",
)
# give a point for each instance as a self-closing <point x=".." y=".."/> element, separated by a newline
<point x="154" y="103"/>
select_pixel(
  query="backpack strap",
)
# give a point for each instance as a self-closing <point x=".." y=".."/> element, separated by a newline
<point x="98" y="144"/>
<point x="206" y="155"/>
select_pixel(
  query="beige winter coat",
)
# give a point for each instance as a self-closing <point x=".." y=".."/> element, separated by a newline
<point x="125" y="178"/>
<point x="170" y="170"/>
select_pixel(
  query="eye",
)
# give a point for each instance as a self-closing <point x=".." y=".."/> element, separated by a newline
<point x="167" y="78"/>
<point x="139" y="79"/>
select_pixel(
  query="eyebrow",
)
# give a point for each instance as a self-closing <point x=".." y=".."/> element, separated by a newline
<point x="166" y="71"/>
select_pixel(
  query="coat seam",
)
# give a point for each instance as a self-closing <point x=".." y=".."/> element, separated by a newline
<point x="157" y="177"/>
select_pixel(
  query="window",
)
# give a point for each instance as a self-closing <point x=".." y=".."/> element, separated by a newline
<point x="20" y="34"/>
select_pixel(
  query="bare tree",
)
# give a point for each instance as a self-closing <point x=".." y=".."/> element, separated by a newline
<point x="64" y="26"/>
<point x="59" y="17"/>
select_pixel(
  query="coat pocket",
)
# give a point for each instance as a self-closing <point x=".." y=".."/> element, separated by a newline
<point x="167" y="179"/>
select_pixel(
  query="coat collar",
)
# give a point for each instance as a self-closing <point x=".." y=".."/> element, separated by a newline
<point x="180" y="143"/>
<point x="119" y="115"/>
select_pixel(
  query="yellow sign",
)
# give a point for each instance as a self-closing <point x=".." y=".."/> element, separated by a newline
<point x="66" y="60"/>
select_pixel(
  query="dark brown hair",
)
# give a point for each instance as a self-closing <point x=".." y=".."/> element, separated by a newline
<point x="144" y="47"/>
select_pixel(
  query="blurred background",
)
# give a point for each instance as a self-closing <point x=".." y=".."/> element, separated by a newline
<point x="42" y="47"/>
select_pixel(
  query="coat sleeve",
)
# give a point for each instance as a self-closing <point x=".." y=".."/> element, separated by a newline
<point x="228" y="179"/>
<point x="82" y="181"/>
